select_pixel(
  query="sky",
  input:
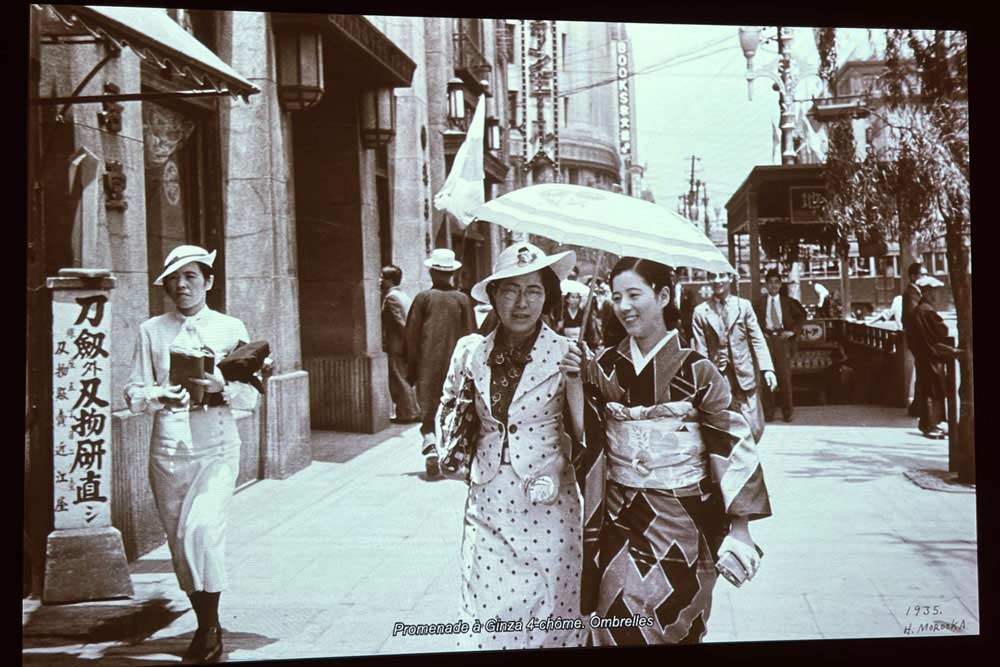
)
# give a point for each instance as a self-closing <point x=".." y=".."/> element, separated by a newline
<point x="693" y="101"/>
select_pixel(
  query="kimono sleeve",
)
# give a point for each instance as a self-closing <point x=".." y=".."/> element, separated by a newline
<point x="734" y="463"/>
<point x="240" y="395"/>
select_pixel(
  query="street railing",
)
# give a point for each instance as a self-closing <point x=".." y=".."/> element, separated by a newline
<point x="878" y="358"/>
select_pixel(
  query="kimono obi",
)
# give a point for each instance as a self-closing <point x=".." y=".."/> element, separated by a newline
<point x="654" y="447"/>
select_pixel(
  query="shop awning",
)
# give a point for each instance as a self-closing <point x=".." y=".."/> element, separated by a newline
<point x="354" y="44"/>
<point x="156" y="38"/>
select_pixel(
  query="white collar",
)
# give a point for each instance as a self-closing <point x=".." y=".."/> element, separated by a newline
<point x="638" y="360"/>
<point x="192" y="318"/>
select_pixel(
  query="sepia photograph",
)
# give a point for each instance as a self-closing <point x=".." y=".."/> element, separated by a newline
<point x="358" y="334"/>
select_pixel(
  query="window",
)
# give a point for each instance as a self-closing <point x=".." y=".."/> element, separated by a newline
<point x="513" y="110"/>
<point x="940" y="262"/>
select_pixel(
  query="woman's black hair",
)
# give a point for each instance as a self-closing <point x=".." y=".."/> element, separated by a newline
<point x="657" y="276"/>
<point x="553" y="292"/>
<point x="206" y="270"/>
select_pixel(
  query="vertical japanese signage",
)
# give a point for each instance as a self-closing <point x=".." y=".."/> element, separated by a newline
<point x="81" y="408"/>
<point x="540" y="75"/>
<point x="624" y="101"/>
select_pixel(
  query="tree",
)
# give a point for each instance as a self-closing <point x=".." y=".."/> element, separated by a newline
<point x="918" y="184"/>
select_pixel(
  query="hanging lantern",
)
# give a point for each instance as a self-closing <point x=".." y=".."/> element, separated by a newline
<point x="493" y="133"/>
<point x="299" y="53"/>
<point x="378" y="117"/>
<point x="456" y="100"/>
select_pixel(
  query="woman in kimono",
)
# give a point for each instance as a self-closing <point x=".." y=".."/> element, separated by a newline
<point x="682" y="474"/>
<point x="521" y="546"/>
<point x="195" y="450"/>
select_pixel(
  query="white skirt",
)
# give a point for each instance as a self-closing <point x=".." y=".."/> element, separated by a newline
<point x="193" y="465"/>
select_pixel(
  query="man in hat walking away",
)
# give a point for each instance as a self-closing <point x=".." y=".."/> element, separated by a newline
<point x="781" y="318"/>
<point x="438" y="318"/>
<point x="926" y="334"/>
<point x="724" y="329"/>
<point x="395" y="308"/>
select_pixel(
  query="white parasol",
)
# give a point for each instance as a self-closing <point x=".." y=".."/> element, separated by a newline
<point x="616" y="223"/>
<point x="608" y="221"/>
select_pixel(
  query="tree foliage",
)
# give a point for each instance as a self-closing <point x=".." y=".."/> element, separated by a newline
<point x="918" y="181"/>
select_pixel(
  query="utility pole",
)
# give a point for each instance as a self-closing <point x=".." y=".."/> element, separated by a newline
<point x="704" y="204"/>
<point x="691" y="200"/>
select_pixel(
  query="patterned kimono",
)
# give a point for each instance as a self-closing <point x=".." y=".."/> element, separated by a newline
<point x="677" y="464"/>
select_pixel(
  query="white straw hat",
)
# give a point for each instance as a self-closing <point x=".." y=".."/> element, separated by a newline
<point x="523" y="258"/>
<point x="182" y="255"/>
<point x="928" y="281"/>
<point x="442" y="259"/>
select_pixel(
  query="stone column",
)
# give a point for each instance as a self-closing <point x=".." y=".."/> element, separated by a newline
<point x="261" y="273"/>
<point x="85" y="555"/>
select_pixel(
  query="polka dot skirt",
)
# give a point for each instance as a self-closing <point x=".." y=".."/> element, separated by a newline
<point x="520" y="561"/>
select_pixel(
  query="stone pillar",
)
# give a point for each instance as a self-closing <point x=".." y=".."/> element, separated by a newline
<point x="409" y="159"/>
<point x="85" y="555"/>
<point x="262" y="286"/>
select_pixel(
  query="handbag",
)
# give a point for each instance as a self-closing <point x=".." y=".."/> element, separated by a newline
<point x="459" y="425"/>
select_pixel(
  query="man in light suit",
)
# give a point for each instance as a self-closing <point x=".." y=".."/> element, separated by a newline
<point x="724" y="329"/>
<point x="395" y="308"/>
<point x="782" y="318"/>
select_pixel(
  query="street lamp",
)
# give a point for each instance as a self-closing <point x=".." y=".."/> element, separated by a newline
<point x="749" y="41"/>
<point x="456" y="101"/>
<point x="299" y="56"/>
<point x="493" y="136"/>
<point x="378" y="117"/>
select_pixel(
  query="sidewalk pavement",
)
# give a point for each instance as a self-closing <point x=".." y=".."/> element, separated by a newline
<point x="325" y="562"/>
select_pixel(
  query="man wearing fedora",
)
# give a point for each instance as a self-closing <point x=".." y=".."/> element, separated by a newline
<point x="395" y="308"/>
<point x="437" y="319"/>
<point x="927" y="334"/>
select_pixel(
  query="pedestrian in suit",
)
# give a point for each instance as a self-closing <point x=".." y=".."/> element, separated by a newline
<point x="781" y="317"/>
<point x="395" y="308"/>
<point x="438" y="318"/>
<point x="725" y="330"/>
<point x="911" y="297"/>
<point x="927" y="334"/>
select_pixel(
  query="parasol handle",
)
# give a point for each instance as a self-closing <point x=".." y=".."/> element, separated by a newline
<point x="590" y="299"/>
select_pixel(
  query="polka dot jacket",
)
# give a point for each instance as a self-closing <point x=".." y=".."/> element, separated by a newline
<point x="534" y="419"/>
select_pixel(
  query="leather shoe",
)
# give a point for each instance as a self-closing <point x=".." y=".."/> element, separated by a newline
<point x="787" y="415"/>
<point x="768" y="417"/>
<point x="935" y="434"/>
<point x="431" y="466"/>
<point x="206" y="646"/>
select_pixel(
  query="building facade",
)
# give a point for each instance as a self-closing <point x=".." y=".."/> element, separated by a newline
<point x="304" y="186"/>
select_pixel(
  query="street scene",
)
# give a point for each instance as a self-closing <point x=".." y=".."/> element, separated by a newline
<point x="329" y="565"/>
<point x="375" y="335"/>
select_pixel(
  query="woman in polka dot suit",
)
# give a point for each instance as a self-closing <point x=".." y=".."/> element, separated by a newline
<point x="521" y="548"/>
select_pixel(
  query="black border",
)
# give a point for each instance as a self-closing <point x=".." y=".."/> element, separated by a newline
<point x="843" y="13"/>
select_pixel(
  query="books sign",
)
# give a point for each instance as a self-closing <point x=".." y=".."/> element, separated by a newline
<point x="81" y="408"/>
